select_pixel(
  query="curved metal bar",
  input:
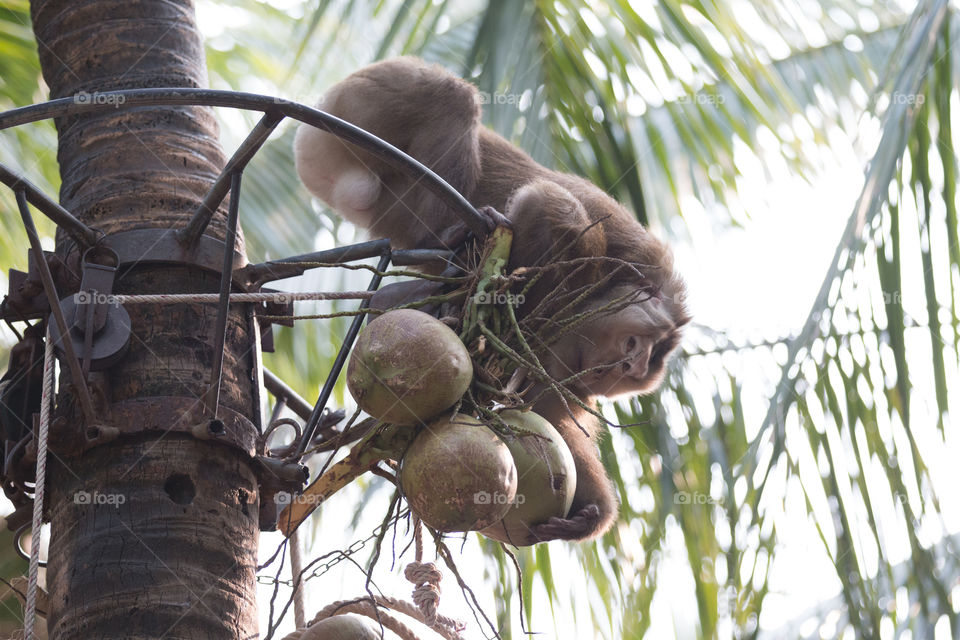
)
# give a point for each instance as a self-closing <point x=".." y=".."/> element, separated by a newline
<point x="310" y="428"/>
<point x="284" y="393"/>
<point x="129" y="98"/>
<point x="244" y="153"/>
<point x="258" y="274"/>
<point x="80" y="232"/>
<point x="409" y="257"/>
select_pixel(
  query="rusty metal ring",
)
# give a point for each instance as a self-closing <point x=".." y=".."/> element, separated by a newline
<point x="280" y="422"/>
<point x="98" y="248"/>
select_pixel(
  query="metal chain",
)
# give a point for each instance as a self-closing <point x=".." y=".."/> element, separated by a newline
<point x="321" y="569"/>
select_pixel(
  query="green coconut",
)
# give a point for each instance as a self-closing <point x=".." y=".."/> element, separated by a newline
<point x="342" y="627"/>
<point x="546" y="478"/>
<point x="407" y="367"/>
<point x="457" y="475"/>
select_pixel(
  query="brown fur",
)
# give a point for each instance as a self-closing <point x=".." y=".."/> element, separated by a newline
<point x="435" y="117"/>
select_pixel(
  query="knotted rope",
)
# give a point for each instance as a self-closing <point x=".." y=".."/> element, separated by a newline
<point x="426" y="599"/>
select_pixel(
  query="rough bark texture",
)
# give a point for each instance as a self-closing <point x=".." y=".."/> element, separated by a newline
<point x="152" y="540"/>
<point x="152" y="535"/>
<point x="129" y="168"/>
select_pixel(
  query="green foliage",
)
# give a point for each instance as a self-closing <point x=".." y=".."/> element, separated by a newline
<point x="31" y="150"/>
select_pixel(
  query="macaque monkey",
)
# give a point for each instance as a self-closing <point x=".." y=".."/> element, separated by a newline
<point x="435" y="117"/>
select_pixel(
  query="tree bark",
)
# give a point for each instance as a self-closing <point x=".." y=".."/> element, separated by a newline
<point x="154" y="534"/>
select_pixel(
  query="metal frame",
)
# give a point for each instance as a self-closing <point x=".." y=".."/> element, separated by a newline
<point x="274" y="109"/>
<point x="253" y="276"/>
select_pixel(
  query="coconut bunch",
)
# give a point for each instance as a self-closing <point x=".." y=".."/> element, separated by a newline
<point x="478" y="459"/>
<point x="499" y="471"/>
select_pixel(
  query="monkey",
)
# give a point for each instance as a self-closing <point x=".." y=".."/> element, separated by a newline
<point x="435" y="117"/>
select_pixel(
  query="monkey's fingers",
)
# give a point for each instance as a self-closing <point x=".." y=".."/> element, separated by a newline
<point x="400" y="293"/>
<point x="494" y="218"/>
<point x="455" y="236"/>
<point x="579" y="526"/>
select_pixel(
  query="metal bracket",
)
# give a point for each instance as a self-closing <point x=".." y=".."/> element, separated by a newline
<point x="97" y="349"/>
<point x="160" y="246"/>
<point x="159" y="414"/>
<point x="25" y="299"/>
<point x="266" y="326"/>
<point x="279" y="479"/>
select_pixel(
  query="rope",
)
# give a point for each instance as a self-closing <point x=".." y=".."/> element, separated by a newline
<point x="372" y="607"/>
<point x="366" y="608"/>
<point x="417" y="538"/>
<point x="426" y="577"/>
<point x="279" y="296"/>
<point x="29" y="619"/>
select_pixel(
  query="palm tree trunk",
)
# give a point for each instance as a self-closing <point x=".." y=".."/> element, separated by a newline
<point x="166" y="547"/>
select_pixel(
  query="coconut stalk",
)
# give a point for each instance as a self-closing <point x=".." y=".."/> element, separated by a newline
<point x="387" y="443"/>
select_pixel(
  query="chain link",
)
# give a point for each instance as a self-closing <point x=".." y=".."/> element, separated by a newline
<point x="321" y="569"/>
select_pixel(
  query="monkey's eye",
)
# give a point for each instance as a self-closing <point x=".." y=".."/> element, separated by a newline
<point x="660" y="351"/>
<point x="631" y="345"/>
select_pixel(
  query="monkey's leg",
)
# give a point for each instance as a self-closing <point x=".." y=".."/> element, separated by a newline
<point x="458" y="234"/>
<point x="422" y="110"/>
<point x="594" y="506"/>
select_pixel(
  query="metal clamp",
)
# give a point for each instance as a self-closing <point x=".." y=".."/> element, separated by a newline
<point x="98" y="327"/>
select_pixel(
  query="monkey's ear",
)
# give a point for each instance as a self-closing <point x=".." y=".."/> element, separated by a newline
<point x="551" y="225"/>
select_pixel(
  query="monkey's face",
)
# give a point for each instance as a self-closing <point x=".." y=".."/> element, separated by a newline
<point x="625" y="352"/>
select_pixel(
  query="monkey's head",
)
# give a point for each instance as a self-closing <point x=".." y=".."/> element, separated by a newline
<point x="623" y="352"/>
<point x="635" y="319"/>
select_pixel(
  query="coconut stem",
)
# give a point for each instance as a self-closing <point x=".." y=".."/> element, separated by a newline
<point x="389" y="442"/>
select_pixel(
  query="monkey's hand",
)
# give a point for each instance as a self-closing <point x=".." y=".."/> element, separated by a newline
<point x="494" y="218"/>
<point x="401" y="293"/>
<point x="457" y="235"/>
<point x="582" y="525"/>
